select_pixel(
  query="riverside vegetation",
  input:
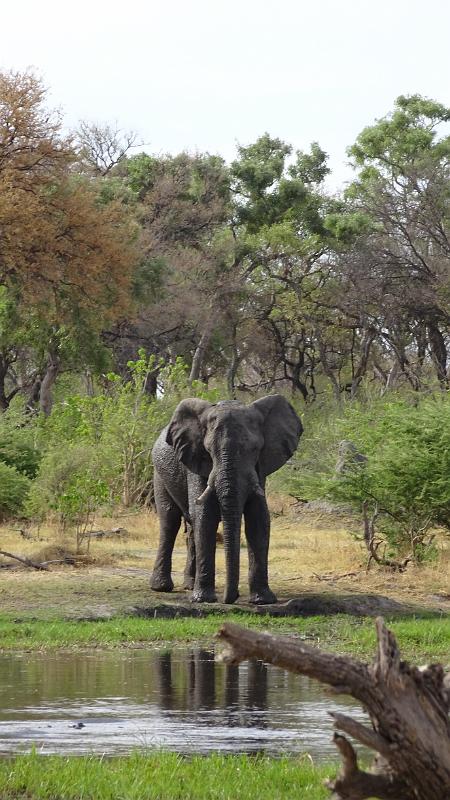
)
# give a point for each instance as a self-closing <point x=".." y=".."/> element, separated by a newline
<point x="340" y="302"/>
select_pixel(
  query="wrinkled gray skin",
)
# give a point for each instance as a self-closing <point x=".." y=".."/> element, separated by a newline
<point x="211" y="463"/>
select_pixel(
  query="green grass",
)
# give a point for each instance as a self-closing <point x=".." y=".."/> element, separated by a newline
<point x="161" y="776"/>
<point x="420" y="639"/>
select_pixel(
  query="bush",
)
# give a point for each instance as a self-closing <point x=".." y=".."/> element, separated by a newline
<point x="19" y="454"/>
<point x="14" y="489"/>
<point x="98" y="449"/>
<point x="18" y="445"/>
<point x="405" y="480"/>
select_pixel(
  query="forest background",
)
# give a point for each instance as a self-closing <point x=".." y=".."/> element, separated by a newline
<point x="131" y="281"/>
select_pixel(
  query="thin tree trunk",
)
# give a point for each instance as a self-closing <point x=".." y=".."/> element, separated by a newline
<point x="3" y="372"/>
<point x="48" y="382"/>
<point x="364" y="349"/>
<point x="199" y="355"/>
<point x="151" y="383"/>
<point x="327" y="368"/>
<point x="438" y="352"/>
<point x="232" y="369"/>
<point x="89" y="383"/>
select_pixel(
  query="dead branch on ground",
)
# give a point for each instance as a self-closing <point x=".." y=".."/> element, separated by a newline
<point x="23" y="560"/>
<point x="39" y="565"/>
<point x="107" y="534"/>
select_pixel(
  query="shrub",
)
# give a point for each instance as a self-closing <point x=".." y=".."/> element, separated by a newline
<point x="98" y="449"/>
<point x="16" y="452"/>
<point x="14" y="489"/>
<point x="405" y="481"/>
<point x="18" y="445"/>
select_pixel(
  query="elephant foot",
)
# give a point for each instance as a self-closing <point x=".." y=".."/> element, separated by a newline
<point x="204" y="596"/>
<point x="230" y="596"/>
<point x="188" y="582"/>
<point x="263" y="597"/>
<point x="161" y="584"/>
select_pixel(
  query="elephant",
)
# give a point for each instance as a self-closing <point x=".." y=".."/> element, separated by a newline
<point x="210" y="464"/>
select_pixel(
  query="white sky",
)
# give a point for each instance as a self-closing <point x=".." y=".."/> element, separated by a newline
<point x="199" y="75"/>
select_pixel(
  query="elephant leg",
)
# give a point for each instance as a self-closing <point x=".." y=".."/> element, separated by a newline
<point x="189" y="570"/>
<point x="206" y="521"/>
<point x="169" y="516"/>
<point x="257" y="532"/>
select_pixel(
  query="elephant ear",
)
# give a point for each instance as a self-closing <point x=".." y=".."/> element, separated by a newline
<point x="185" y="435"/>
<point x="282" y="430"/>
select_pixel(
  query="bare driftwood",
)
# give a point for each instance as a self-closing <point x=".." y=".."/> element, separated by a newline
<point x="408" y="708"/>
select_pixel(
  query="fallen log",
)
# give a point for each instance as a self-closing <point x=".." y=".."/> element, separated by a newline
<point x="408" y="709"/>
<point x="105" y="534"/>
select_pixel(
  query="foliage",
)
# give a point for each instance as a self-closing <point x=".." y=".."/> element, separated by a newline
<point x="66" y="259"/>
<point x="97" y="450"/>
<point x="13" y="490"/>
<point x="405" y="478"/>
<point x="18" y="440"/>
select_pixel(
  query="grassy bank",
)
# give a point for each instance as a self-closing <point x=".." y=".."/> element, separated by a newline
<point x="163" y="776"/>
<point x="420" y="639"/>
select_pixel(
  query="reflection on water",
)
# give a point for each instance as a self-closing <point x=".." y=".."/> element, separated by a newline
<point x="179" y="699"/>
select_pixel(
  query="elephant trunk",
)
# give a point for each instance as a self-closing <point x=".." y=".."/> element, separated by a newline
<point x="232" y="490"/>
<point x="231" y="519"/>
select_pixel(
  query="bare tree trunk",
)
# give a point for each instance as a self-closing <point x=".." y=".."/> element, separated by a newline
<point x="438" y="352"/>
<point x="408" y="708"/>
<point x="48" y="382"/>
<point x="89" y="382"/>
<point x="3" y="372"/>
<point x="361" y="369"/>
<point x="327" y="368"/>
<point x="34" y="395"/>
<point x="234" y="363"/>
<point x="199" y="355"/>
<point x="6" y="362"/>
<point x="151" y="383"/>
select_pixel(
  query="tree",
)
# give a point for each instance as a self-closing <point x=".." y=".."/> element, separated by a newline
<point x="401" y="271"/>
<point x="65" y="257"/>
<point x="100" y="148"/>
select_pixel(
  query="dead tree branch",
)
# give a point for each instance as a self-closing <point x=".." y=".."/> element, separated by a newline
<point x="23" y="560"/>
<point x="408" y="709"/>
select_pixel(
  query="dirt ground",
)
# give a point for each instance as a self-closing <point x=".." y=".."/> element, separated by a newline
<point x="312" y="555"/>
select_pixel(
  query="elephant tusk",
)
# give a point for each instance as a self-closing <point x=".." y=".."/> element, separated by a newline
<point x="257" y="488"/>
<point x="204" y="496"/>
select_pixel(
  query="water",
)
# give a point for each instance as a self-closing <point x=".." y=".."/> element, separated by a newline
<point x="180" y="699"/>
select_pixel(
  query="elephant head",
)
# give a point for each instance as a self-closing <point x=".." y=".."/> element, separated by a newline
<point x="236" y="447"/>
